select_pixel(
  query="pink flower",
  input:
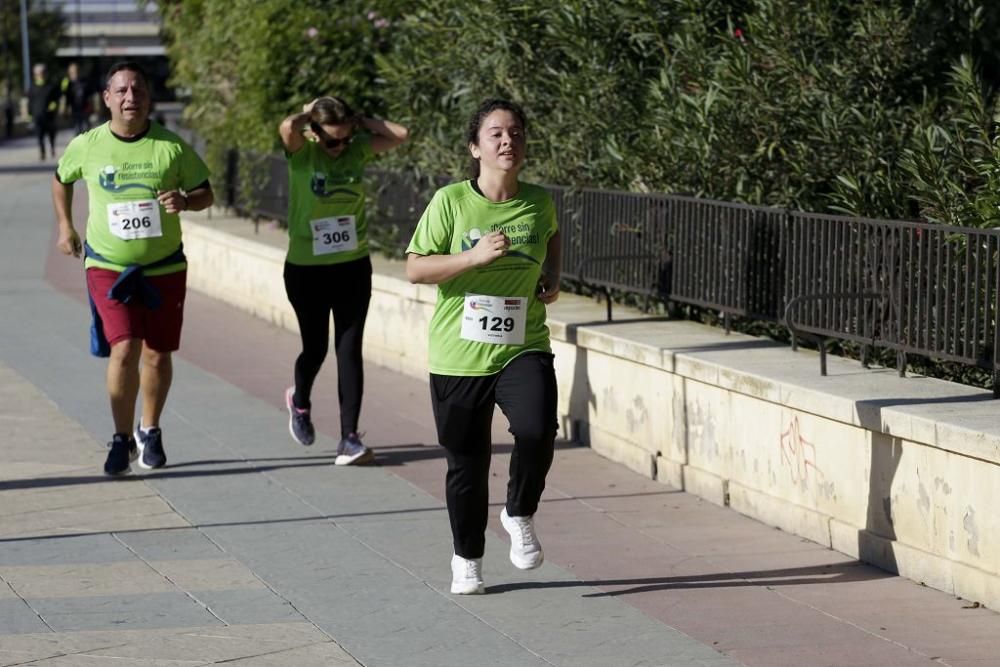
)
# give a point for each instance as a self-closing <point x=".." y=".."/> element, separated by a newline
<point x="380" y="23"/>
<point x="372" y="15"/>
<point x="312" y="32"/>
<point x="738" y="34"/>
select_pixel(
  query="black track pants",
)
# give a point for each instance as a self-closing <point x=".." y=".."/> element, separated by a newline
<point x="463" y="410"/>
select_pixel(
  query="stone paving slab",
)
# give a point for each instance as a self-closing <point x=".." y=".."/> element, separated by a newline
<point x="140" y="610"/>
<point x="268" y="644"/>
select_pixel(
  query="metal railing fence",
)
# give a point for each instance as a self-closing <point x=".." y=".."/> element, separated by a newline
<point x="915" y="288"/>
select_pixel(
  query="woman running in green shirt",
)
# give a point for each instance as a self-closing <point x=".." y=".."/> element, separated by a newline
<point x="327" y="267"/>
<point x="491" y="246"/>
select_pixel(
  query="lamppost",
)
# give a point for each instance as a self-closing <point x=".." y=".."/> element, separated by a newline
<point x="8" y="58"/>
<point x="25" y="57"/>
<point x="79" y="32"/>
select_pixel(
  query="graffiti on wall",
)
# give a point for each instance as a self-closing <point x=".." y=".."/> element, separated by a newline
<point x="798" y="453"/>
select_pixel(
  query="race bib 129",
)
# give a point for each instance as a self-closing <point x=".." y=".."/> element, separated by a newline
<point x="499" y="320"/>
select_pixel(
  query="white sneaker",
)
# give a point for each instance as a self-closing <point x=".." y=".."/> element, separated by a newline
<point x="351" y="451"/>
<point x="466" y="576"/>
<point x="525" y="551"/>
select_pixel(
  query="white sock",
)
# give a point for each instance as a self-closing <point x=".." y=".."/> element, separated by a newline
<point x="146" y="429"/>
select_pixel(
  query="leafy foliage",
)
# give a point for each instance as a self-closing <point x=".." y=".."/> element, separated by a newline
<point x="246" y="64"/>
<point x="874" y="107"/>
<point x="878" y="108"/>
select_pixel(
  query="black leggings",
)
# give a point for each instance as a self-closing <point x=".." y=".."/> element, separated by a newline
<point x="463" y="410"/>
<point x="315" y="291"/>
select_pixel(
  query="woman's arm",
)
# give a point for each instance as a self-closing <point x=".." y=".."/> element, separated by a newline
<point x="291" y="129"/>
<point x="386" y="134"/>
<point x="435" y="269"/>
<point x="551" y="271"/>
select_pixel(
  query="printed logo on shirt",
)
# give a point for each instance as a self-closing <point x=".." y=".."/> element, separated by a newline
<point x="115" y="179"/>
<point x="471" y="238"/>
<point x="323" y="185"/>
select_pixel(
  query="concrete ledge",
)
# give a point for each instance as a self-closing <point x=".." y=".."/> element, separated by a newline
<point x="707" y="485"/>
<point x="776" y="512"/>
<point x="899" y="472"/>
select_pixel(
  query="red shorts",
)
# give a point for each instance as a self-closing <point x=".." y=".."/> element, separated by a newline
<point x="159" y="328"/>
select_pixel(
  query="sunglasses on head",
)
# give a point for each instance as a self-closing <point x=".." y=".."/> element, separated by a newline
<point x="329" y="142"/>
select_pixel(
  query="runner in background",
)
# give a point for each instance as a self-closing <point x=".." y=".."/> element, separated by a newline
<point x="491" y="245"/>
<point x="327" y="268"/>
<point x="43" y="103"/>
<point x="139" y="177"/>
<point x="76" y="93"/>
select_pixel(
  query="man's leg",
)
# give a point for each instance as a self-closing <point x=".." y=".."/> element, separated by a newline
<point x="123" y="382"/>
<point x="155" y="378"/>
<point x="40" y="133"/>
<point x="51" y="131"/>
<point x="162" y="335"/>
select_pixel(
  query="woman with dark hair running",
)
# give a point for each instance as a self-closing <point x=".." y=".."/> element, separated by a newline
<point x="327" y="268"/>
<point x="491" y="245"/>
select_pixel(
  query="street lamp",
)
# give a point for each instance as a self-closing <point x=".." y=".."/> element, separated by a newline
<point x="8" y="107"/>
<point x="25" y="63"/>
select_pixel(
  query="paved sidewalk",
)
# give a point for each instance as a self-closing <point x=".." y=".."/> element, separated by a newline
<point x="250" y="550"/>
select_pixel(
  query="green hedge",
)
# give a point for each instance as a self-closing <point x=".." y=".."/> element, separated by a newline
<point x="882" y="108"/>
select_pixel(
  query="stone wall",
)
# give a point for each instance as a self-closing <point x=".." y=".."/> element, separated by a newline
<point x="900" y="472"/>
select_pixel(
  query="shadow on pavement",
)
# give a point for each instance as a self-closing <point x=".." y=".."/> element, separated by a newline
<point x="166" y="473"/>
<point x="391" y="456"/>
<point x="834" y="573"/>
<point x="399" y="455"/>
<point x="222" y="524"/>
<point x="316" y="517"/>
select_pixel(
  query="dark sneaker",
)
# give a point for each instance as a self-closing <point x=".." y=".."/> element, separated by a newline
<point x="299" y="422"/>
<point x="123" y="452"/>
<point x="151" y="454"/>
<point x="351" y="451"/>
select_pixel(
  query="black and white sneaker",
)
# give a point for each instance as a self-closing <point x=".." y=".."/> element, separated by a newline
<point x="123" y="452"/>
<point x="150" y="444"/>
<point x="299" y="422"/>
<point x="351" y="451"/>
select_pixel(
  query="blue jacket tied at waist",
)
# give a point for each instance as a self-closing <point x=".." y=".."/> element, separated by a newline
<point x="132" y="284"/>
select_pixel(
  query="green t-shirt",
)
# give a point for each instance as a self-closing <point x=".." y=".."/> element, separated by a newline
<point x="470" y="335"/>
<point x="326" y="203"/>
<point x="125" y="223"/>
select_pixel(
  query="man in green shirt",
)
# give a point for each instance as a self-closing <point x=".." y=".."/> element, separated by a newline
<point x="139" y="177"/>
